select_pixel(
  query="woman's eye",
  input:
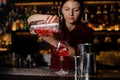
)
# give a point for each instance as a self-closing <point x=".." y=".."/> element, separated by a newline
<point x="76" y="9"/>
<point x="66" y="9"/>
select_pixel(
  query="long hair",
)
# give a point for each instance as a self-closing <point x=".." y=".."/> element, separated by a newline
<point x="62" y="22"/>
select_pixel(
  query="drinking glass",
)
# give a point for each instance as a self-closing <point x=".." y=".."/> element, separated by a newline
<point x="62" y="52"/>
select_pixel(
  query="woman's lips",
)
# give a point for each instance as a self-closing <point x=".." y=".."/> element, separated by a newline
<point x="71" y="18"/>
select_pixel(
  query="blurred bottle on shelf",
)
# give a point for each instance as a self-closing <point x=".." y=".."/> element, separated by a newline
<point x="96" y="40"/>
<point x="118" y="18"/>
<point x="92" y="20"/>
<point x="98" y="18"/>
<point x="85" y="18"/>
<point x="105" y="17"/>
<point x="30" y="62"/>
<point x="112" y="17"/>
<point x="34" y="10"/>
<point x="19" y="22"/>
<point x="13" y="60"/>
<point x="118" y="13"/>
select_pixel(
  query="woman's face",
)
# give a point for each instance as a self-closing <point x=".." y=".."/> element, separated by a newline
<point x="71" y="11"/>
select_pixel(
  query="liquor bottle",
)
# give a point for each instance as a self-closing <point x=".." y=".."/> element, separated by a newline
<point x="85" y="18"/>
<point x="54" y="9"/>
<point x="118" y="15"/>
<point x="29" y="60"/>
<point x="112" y="16"/>
<point x="92" y="17"/>
<point x="105" y="17"/>
<point x="35" y="10"/>
<point x="92" y="22"/>
<point x="117" y="19"/>
<point x="98" y="18"/>
<point x="13" y="60"/>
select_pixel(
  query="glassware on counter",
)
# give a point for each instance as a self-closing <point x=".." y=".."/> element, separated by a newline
<point x="86" y="63"/>
<point x="62" y="51"/>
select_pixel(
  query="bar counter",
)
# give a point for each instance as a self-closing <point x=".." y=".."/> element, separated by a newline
<point x="48" y="74"/>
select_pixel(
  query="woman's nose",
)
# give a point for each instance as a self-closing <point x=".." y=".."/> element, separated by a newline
<point x="71" y="13"/>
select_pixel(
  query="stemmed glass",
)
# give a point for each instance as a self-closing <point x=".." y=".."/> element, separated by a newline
<point x="62" y="52"/>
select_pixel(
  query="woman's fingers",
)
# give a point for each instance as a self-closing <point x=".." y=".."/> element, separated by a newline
<point x="43" y="18"/>
<point x="55" y="19"/>
<point x="48" y="19"/>
<point x="51" y="19"/>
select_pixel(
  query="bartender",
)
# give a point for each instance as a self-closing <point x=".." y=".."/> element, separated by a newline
<point x="72" y="33"/>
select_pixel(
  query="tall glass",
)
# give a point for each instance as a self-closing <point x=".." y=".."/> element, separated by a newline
<point x="83" y="49"/>
<point x="86" y="62"/>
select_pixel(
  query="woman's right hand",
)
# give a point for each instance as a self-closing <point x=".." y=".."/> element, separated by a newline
<point x="44" y="18"/>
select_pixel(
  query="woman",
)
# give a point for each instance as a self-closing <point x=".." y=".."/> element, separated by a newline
<point x="73" y="31"/>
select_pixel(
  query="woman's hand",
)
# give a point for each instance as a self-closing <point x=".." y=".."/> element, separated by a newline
<point x="42" y="17"/>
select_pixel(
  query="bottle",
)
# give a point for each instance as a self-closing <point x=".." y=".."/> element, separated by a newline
<point x="91" y="22"/>
<point x="105" y="17"/>
<point x="98" y="18"/>
<point x="112" y="16"/>
<point x="34" y="11"/>
<point x="118" y="17"/>
<point x="118" y="13"/>
<point x="85" y="18"/>
<point x="29" y="61"/>
<point x="13" y="60"/>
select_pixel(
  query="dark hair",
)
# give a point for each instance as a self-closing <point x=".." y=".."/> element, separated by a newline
<point x="81" y="6"/>
<point x="79" y="1"/>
